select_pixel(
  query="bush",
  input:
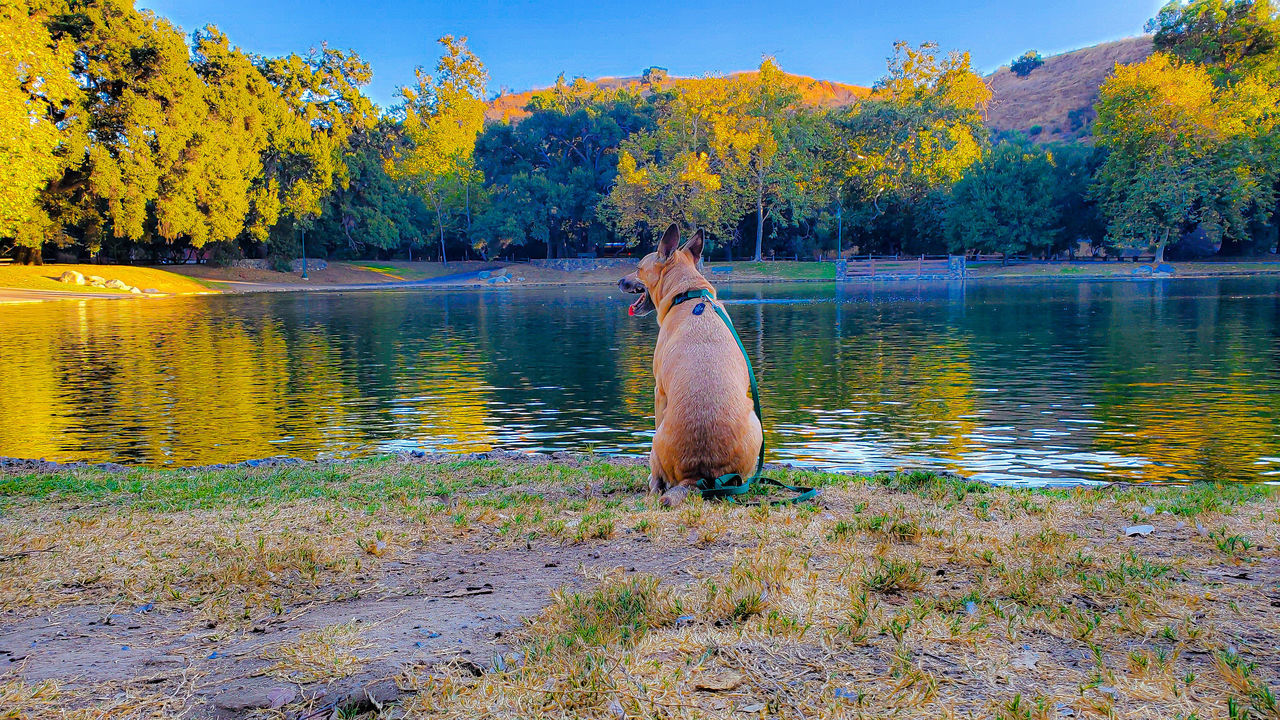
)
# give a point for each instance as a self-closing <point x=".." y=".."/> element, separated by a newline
<point x="1035" y="130"/>
<point x="1029" y="61"/>
<point x="222" y="254"/>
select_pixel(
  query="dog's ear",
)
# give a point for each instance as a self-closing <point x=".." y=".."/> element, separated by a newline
<point x="694" y="246"/>
<point x="670" y="241"/>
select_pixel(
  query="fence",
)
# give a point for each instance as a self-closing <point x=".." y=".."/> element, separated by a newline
<point x="891" y="267"/>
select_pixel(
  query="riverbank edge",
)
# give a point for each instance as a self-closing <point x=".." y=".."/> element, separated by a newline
<point x="10" y="295"/>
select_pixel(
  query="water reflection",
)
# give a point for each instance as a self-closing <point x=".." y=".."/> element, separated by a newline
<point x="1022" y="383"/>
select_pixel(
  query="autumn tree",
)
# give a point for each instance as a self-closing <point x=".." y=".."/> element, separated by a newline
<point x="683" y="169"/>
<point x="39" y="130"/>
<point x="443" y="114"/>
<point x="916" y="136"/>
<point x="1177" y="155"/>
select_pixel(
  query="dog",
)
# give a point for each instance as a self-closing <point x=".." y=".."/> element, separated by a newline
<point x="705" y="424"/>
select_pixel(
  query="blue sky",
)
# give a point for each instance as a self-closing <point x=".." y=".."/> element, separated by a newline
<point x="526" y="44"/>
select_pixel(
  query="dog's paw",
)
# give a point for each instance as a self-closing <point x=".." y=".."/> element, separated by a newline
<point x="675" y="496"/>
<point x="656" y="486"/>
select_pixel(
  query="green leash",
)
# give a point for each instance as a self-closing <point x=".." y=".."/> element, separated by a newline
<point x="730" y="485"/>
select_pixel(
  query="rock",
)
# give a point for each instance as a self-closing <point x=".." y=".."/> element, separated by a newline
<point x="719" y="681"/>
<point x="1148" y="510"/>
<point x="1025" y="661"/>
<point x="1142" y="271"/>
<point x="1139" y="530"/>
<point x="239" y="701"/>
<point x="117" y="284"/>
<point x="1165" y="269"/>
<point x="151" y="291"/>
<point x="752" y="708"/>
<point x="484" y="274"/>
<point x="135" y="291"/>
<point x="71" y="277"/>
<point x="96" y="280"/>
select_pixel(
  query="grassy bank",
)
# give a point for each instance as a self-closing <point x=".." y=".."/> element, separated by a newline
<point x="895" y="596"/>
<point x="45" y="278"/>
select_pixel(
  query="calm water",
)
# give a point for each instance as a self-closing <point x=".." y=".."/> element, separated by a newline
<point x="1026" y="383"/>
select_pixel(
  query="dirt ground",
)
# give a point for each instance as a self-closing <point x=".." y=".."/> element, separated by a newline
<point x="514" y="585"/>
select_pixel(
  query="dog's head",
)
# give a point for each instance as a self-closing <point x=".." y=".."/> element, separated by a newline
<point x="646" y="281"/>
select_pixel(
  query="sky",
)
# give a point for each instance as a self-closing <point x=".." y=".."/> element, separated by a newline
<point x="527" y="44"/>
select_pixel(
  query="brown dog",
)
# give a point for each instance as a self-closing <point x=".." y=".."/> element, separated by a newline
<point x="705" y="424"/>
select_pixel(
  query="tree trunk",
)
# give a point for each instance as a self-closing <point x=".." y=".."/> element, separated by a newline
<point x="444" y="260"/>
<point x="30" y="255"/>
<point x="1160" y="247"/>
<point x="759" y="226"/>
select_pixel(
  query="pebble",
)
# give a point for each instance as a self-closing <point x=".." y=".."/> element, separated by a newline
<point x="1142" y="530"/>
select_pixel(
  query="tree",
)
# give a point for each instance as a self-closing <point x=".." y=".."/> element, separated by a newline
<point x="369" y="211"/>
<point x="548" y="174"/>
<point x="442" y="117"/>
<point x="318" y="106"/>
<point x="1174" y="161"/>
<point x="1231" y="36"/>
<point x="1028" y="61"/>
<point x="39" y="125"/>
<point x="1005" y="203"/>
<point x="773" y="148"/>
<point x="682" y="169"/>
<point x="914" y="138"/>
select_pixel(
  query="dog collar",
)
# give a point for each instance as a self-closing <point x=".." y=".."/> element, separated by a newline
<point x="691" y="294"/>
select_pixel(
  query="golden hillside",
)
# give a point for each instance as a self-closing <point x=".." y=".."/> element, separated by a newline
<point x="1059" y="96"/>
<point x="814" y="93"/>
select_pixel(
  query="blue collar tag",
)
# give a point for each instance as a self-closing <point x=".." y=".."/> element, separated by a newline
<point x="697" y="309"/>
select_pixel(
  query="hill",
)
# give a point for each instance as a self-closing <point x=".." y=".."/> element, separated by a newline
<point x="814" y="93"/>
<point x="1058" y="97"/>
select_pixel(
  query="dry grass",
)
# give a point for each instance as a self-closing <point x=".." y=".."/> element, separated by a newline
<point x="1065" y="83"/>
<point x="909" y="596"/>
<point x="320" y="655"/>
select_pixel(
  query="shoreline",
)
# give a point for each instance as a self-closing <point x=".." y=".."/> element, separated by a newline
<point x="552" y="584"/>
<point x="1197" y="271"/>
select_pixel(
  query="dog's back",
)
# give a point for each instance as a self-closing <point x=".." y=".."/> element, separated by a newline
<point x="708" y="427"/>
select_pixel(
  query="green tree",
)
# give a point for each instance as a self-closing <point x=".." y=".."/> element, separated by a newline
<point x="370" y="212"/>
<point x="443" y="114"/>
<point x="318" y="106"/>
<point x="1028" y="61"/>
<point x="1231" y="36"/>
<point x="1005" y="204"/>
<point x="547" y="175"/>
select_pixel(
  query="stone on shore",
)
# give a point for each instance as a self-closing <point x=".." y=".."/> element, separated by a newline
<point x="72" y="277"/>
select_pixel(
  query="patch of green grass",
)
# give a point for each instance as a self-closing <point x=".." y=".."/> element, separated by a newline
<point x="781" y="270"/>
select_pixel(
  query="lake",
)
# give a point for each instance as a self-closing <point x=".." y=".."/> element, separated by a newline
<point x="1054" y="382"/>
